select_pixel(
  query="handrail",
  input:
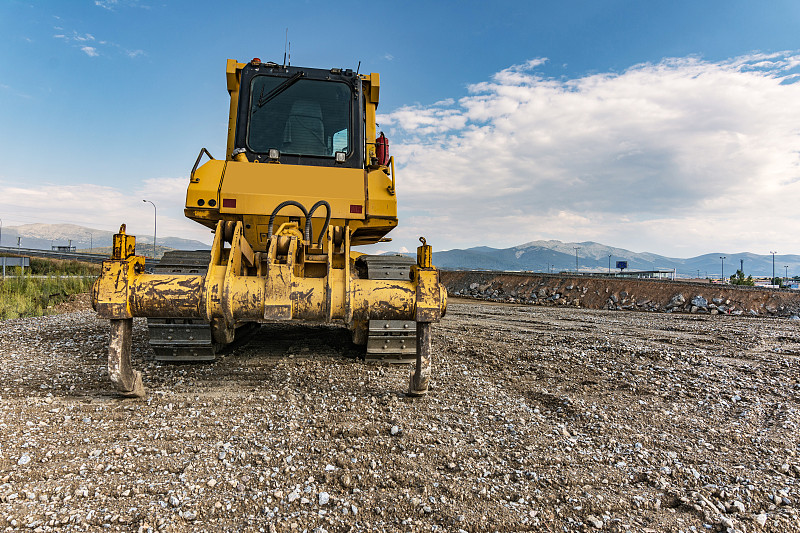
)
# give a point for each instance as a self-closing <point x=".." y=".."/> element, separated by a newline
<point x="197" y="162"/>
<point x="390" y="188"/>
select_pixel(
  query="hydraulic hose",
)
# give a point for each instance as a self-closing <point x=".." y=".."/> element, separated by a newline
<point x="327" y="220"/>
<point x="306" y="233"/>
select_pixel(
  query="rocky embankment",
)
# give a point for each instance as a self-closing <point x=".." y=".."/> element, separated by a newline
<point x="621" y="293"/>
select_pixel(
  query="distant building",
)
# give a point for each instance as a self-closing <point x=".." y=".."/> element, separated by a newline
<point x="644" y="274"/>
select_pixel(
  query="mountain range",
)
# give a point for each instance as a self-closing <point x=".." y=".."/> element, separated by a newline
<point x="557" y="256"/>
<point x="44" y="236"/>
<point x="537" y="256"/>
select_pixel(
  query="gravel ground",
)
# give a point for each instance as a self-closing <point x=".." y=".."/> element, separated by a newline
<point x="540" y="419"/>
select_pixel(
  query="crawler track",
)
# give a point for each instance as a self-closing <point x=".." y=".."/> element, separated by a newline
<point x="180" y="340"/>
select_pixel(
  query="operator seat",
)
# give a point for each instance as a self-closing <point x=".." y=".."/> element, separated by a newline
<point x="304" y="132"/>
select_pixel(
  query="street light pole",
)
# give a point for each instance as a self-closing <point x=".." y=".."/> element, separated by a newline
<point x="155" y="219"/>
<point x="609" y="264"/>
<point x="786" y="274"/>
<point x="772" y="282"/>
<point x="576" y="257"/>
<point x="722" y="257"/>
<point x="1" y="231"/>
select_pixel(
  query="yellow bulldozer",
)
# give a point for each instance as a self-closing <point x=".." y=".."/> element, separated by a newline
<point x="306" y="177"/>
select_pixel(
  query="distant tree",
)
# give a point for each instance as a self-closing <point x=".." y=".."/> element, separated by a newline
<point x="777" y="282"/>
<point x="739" y="279"/>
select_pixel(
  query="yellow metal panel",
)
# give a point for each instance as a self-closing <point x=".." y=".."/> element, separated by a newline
<point x="210" y="302"/>
<point x="375" y="87"/>
<point x="232" y="69"/>
<point x="260" y="187"/>
<point x="371" y="86"/>
<point x="278" y="292"/>
<point x="370" y="134"/>
<point x="124" y="246"/>
<point x="431" y="296"/>
<point x="205" y="184"/>
<point x="232" y="74"/>
<point x="381" y="202"/>
<point x="112" y="291"/>
<point x="112" y="287"/>
<point x="424" y="255"/>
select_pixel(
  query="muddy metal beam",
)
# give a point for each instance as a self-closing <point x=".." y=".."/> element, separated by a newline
<point x="240" y="286"/>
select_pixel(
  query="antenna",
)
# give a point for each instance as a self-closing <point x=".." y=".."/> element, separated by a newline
<point x="358" y="68"/>
<point x="290" y="53"/>
<point x="285" y="44"/>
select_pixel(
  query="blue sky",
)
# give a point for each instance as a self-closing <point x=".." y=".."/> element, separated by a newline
<point x="671" y="127"/>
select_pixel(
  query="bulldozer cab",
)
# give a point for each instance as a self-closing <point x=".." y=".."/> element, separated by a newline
<point x="301" y="135"/>
<point x="299" y="116"/>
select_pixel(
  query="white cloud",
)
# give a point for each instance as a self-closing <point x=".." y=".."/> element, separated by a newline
<point x="112" y="5"/>
<point x="104" y="207"/>
<point x="91" y="46"/>
<point x="681" y="156"/>
<point x="74" y="36"/>
<point x="107" y="4"/>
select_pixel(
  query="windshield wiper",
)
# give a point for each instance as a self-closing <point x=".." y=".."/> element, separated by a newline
<point x="263" y="99"/>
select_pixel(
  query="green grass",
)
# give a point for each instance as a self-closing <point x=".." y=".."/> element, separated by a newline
<point x="57" y="267"/>
<point x="46" y="283"/>
<point x="26" y="296"/>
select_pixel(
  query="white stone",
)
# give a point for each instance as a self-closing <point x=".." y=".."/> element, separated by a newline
<point x="596" y="522"/>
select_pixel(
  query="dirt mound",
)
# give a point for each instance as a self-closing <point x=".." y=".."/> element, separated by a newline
<point x="621" y="293"/>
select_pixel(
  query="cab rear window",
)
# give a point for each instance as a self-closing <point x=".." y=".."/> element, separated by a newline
<point x="299" y="116"/>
